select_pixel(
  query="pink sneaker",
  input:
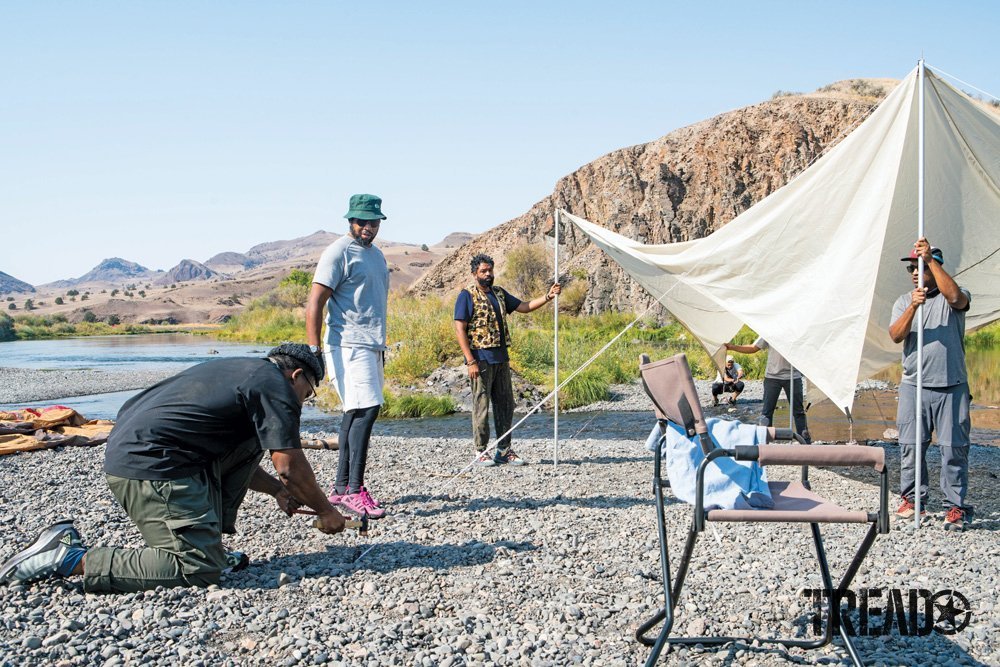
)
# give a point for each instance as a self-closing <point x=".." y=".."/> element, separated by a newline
<point x="375" y="501"/>
<point x="360" y="503"/>
<point x="334" y="497"/>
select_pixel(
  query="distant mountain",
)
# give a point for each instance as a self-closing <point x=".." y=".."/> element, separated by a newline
<point x="187" y="271"/>
<point x="282" y="251"/>
<point x="10" y="284"/>
<point x="455" y="240"/>
<point x="230" y="262"/>
<point x="113" y="271"/>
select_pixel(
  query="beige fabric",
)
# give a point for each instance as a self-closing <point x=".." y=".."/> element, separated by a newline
<point x="814" y="268"/>
<point x="823" y="455"/>
<point x="30" y="429"/>
<point x="793" y="503"/>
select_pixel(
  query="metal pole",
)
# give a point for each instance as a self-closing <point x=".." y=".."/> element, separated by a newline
<point x="791" y="400"/>
<point x="917" y="450"/>
<point x="555" y="352"/>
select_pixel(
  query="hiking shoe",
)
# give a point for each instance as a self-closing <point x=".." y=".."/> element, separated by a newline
<point x="42" y="558"/>
<point x="236" y="561"/>
<point x="908" y="509"/>
<point x="510" y="458"/>
<point x="375" y="501"/>
<point x="334" y="497"/>
<point x="957" y="518"/>
<point x="485" y="460"/>
<point x="360" y="503"/>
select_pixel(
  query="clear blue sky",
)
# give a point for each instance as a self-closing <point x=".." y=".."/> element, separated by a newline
<point x="157" y="131"/>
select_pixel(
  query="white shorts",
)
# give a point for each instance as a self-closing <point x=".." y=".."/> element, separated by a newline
<point x="357" y="374"/>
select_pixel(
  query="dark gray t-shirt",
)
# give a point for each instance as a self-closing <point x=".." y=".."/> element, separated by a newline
<point x="944" y="342"/>
<point x="359" y="278"/>
<point x="180" y="426"/>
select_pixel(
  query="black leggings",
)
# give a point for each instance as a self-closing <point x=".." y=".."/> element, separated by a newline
<point x="772" y="390"/>
<point x="355" y="432"/>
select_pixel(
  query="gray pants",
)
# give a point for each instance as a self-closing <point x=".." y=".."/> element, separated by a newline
<point x="181" y="520"/>
<point x="945" y="412"/>
<point x="492" y="385"/>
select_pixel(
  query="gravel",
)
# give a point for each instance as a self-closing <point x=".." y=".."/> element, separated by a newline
<point x="26" y="385"/>
<point x="538" y="565"/>
<point x="500" y="566"/>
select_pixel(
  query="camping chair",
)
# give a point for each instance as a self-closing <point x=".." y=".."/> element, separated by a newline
<point x="671" y="387"/>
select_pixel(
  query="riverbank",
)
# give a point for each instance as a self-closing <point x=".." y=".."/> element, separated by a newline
<point x="536" y="565"/>
<point x="27" y="385"/>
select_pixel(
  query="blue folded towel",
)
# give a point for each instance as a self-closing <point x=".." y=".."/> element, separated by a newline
<point x="729" y="484"/>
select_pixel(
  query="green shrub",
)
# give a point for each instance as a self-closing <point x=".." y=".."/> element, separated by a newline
<point x="414" y="405"/>
<point x="526" y="271"/>
<point x="6" y="327"/>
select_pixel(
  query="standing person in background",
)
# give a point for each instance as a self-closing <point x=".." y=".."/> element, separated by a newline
<point x="778" y="375"/>
<point x="944" y="400"/>
<point x="352" y="283"/>
<point x="481" y="327"/>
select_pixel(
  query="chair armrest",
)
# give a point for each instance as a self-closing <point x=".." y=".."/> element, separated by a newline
<point x="819" y="455"/>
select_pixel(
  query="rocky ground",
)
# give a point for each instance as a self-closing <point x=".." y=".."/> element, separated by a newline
<point x="538" y="565"/>
<point x="28" y="384"/>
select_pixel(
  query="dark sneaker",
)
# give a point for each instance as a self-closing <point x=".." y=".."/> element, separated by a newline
<point x="511" y="459"/>
<point x="715" y="401"/>
<point x="485" y="460"/>
<point x="42" y="558"/>
<point x="236" y="561"/>
<point x="957" y="519"/>
<point x="908" y="509"/>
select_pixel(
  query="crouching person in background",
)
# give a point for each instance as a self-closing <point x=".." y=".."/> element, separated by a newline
<point x="180" y="460"/>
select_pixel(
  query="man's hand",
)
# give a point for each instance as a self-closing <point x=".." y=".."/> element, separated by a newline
<point x="553" y="291"/>
<point x="331" y="522"/>
<point x="918" y="296"/>
<point x="473" y="370"/>
<point x="923" y="248"/>
<point x="286" y="503"/>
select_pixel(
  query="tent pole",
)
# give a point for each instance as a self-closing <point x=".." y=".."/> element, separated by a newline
<point x="555" y="351"/>
<point x="918" y="422"/>
<point x="791" y="401"/>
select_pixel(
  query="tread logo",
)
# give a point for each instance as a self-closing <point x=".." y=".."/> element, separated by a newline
<point x="912" y="612"/>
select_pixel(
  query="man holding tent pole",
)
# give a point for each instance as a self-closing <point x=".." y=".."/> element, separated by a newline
<point x="481" y="328"/>
<point x="945" y="396"/>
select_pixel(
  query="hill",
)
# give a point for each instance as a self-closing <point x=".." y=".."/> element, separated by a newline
<point x="11" y="285"/>
<point x="682" y="186"/>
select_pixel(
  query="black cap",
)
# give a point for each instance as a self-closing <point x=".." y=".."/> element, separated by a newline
<point x="304" y="355"/>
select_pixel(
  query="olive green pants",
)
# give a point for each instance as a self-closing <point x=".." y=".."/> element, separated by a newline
<point x="492" y="386"/>
<point x="181" y="520"/>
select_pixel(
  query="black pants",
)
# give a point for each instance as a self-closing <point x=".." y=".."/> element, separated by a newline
<point x="772" y="390"/>
<point x="355" y="432"/>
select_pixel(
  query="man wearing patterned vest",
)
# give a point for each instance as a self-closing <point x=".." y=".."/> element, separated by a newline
<point x="481" y="326"/>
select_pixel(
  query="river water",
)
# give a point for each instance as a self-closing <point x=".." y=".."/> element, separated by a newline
<point x="874" y="412"/>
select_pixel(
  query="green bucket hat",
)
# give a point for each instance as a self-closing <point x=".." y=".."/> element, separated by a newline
<point x="365" y="207"/>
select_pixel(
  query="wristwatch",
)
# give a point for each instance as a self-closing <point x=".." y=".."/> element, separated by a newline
<point x="315" y="349"/>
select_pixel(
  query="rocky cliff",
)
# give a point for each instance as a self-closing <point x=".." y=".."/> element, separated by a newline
<point x="682" y="186"/>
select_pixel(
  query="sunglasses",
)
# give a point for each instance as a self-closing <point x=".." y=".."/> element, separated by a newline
<point x="369" y="223"/>
<point x="312" y="388"/>
<point x="912" y="268"/>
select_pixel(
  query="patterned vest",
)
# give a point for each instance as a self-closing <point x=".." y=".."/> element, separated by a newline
<point x="483" y="329"/>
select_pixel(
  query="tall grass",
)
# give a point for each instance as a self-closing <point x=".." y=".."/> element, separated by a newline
<point x="396" y="406"/>
<point x="36" y="327"/>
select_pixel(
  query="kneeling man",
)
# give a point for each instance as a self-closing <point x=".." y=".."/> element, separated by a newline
<point x="180" y="460"/>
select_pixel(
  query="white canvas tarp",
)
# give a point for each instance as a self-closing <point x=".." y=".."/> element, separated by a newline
<point x="814" y="268"/>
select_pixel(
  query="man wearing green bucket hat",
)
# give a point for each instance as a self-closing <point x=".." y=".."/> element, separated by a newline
<point x="352" y="283"/>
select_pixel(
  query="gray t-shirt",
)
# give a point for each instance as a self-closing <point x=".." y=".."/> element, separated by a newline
<point x="778" y="367"/>
<point x="359" y="278"/>
<point x="944" y="342"/>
